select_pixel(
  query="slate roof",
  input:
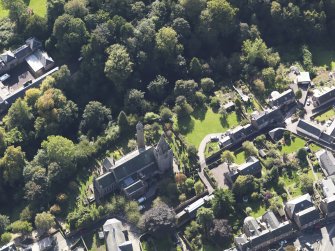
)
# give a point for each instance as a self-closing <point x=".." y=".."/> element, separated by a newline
<point x="137" y="185"/>
<point x="270" y="218"/>
<point x="279" y="100"/>
<point x="298" y="204"/>
<point x="22" y="51"/>
<point x="308" y="129"/>
<point x="328" y="187"/>
<point x="324" y="97"/>
<point x="108" y="163"/>
<point x="106" y="180"/>
<point x="251" y="167"/>
<point x="308" y="215"/>
<point x="327" y="161"/>
<point x="251" y="226"/>
<point x="33" y="43"/>
<point x="266" y="117"/>
<point x="7" y="57"/>
<point x="163" y="145"/>
<point x="115" y="237"/>
<point x="248" y="129"/>
<point x="330" y="203"/>
<point x="133" y="162"/>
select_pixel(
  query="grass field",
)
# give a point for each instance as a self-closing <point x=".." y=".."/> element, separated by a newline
<point x="240" y="157"/>
<point x="211" y="148"/>
<point x="38" y="6"/>
<point x="295" y="145"/>
<point x="326" y="115"/>
<point x="205" y="121"/>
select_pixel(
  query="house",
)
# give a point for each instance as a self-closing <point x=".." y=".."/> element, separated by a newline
<point x="30" y="52"/>
<point x="116" y="236"/>
<point x="131" y="173"/>
<point x="230" y="106"/>
<point x="277" y="133"/>
<point x="9" y="247"/>
<point x="307" y="217"/>
<point x="328" y="187"/>
<point x="252" y="166"/>
<point x="308" y="129"/>
<point x="262" y="232"/>
<point x="265" y="118"/>
<point x="282" y="99"/>
<point x="236" y="135"/>
<point x="327" y="162"/>
<point x="303" y="79"/>
<point x="298" y="204"/>
<point x="323" y="97"/>
<point x="327" y="206"/>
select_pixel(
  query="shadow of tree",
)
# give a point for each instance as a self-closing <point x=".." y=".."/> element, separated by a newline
<point x="200" y="112"/>
<point x="224" y="121"/>
<point x="185" y="124"/>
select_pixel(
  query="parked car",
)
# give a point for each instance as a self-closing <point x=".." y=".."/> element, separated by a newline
<point x="141" y="200"/>
<point x="141" y="207"/>
<point x="309" y="246"/>
<point x="214" y="139"/>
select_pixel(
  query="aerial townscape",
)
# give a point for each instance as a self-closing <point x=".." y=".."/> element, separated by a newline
<point x="167" y="125"/>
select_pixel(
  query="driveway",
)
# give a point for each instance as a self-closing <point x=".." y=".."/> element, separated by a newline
<point x="218" y="173"/>
<point x="202" y="160"/>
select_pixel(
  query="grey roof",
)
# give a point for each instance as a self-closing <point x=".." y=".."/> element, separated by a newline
<point x="326" y="96"/>
<point x="133" y="162"/>
<point x="251" y="227"/>
<point x="251" y="167"/>
<point x="327" y="161"/>
<point x="137" y="185"/>
<point x="308" y="129"/>
<point x="7" y="56"/>
<point x="283" y="97"/>
<point x="328" y="187"/>
<point x="162" y="145"/>
<point x="33" y="43"/>
<point x="330" y="203"/>
<point x="298" y="204"/>
<point x="270" y="218"/>
<point x="308" y="215"/>
<point x="106" y="180"/>
<point x="22" y="51"/>
<point x="277" y="133"/>
<point x="248" y="129"/>
<point x="108" y="163"/>
<point x="267" y="117"/>
<point x="114" y="236"/>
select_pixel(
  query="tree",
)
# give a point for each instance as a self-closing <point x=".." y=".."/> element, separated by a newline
<point x="76" y="8"/>
<point x="207" y="85"/>
<point x="221" y="231"/>
<point x="157" y="87"/>
<point x="259" y="86"/>
<point x="123" y="122"/>
<point x="205" y="218"/>
<point x="159" y="220"/>
<point x="302" y="155"/>
<point x="44" y="221"/>
<point x="298" y="94"/>
<point x="70" y="33"/>
<point x="95" y="118"/>
<point x="118" y="66"/>
<point x="249" y="149"/>
<point x="244" y="185"/>
<point x="195" y="68"/>
<point x="12" y="165"/>
<point x="193" y="8"/>
<point x="4" y="222"/>
<point x="198" y="187"/>
<point x="185" y="88"/>
<point x="5" y="238"/>
<point x="306" y="184"/>
<point x="23" y="227"/>
<point x="223" y="203"/>
<point x="228" y="156"/>
<point x="135" y="102"/>
<point x="167" y="43"/>
<point x="166" y="114"/>
<point x="20" y="116"/>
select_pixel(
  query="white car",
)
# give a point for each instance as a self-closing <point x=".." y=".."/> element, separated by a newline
<point x="141" y="200"/>
<point x="141" y="207"/>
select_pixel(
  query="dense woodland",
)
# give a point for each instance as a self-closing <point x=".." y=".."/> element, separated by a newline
<point x="140" y="59"/>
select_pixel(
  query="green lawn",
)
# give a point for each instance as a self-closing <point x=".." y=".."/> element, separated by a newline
<point x="257" y="208"/>
<point x="3" y="12"/>
<point x="163" y="244"/>
<point x="38" y="6"/>
<point x="204" y="121"/>
<point x="240" y="157"/>
<point x="314" y="147"/>
<point x="295" y="145"/>
<point x="326" y="115"/>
